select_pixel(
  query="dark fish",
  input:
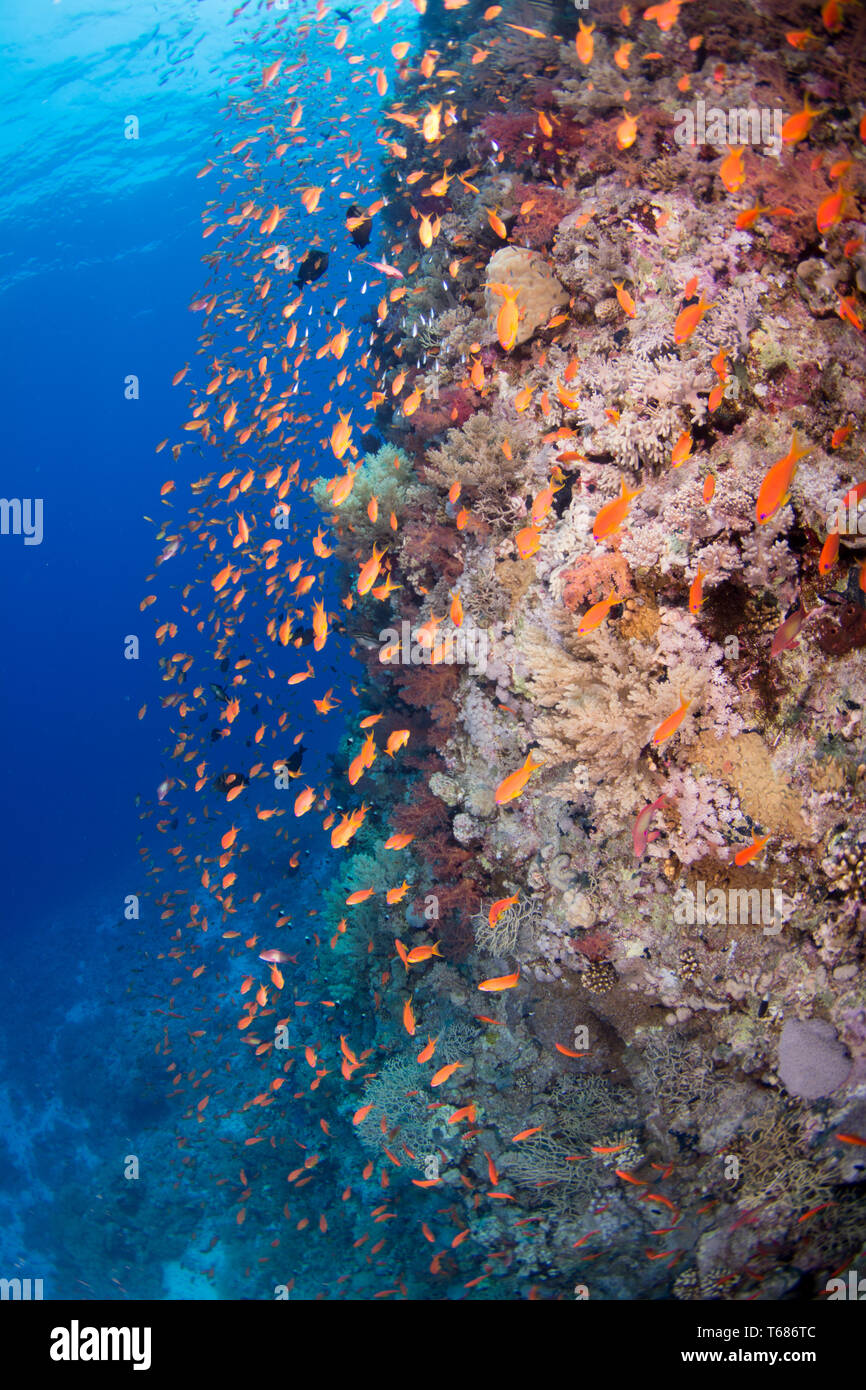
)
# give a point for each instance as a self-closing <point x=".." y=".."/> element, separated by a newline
<point x="293" y="764"/>
<point x="313" y="265"/>
<point x="345" y="15"/>
<point x="226" y="780"/>
<point x="360" y="234"/>
<point x="220" y="693"/>
<point x="562" y="497"/>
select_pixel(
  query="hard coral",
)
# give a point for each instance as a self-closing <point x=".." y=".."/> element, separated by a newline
<point x="539" y="293"/>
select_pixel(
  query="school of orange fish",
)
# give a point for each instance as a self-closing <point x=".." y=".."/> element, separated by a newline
<point x="275" y="398"/>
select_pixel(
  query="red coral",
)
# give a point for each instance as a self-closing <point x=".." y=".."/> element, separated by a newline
<point x="458" y="897"/>
<point x="512" y="134"/>
<point x="431" y="688"/>
<point x="432" y="545"/>
<point x="595" y="945"/>
<point x="593" y="577"/>
<point x="788" y="388"/>
<point x="424" y="812"/>
<point x="535" y="228"/>
<point x="457" y="935"/>
<point x="450" y="410"/>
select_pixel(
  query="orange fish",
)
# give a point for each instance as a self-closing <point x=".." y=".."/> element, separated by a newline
<point x="626" y="303"/>
<point x="398" y="841"/>
<point x="370" y="571"/>
<point x="665" y="15"/>
<point x="669" y="726"/>
<point x="845" y="310"/>
<point x="688" y="319"/>
<point x="444" y="1072"/>
<point x="512" y="785"/>
<point x="500" y="982"/>
<point x="797" y="127"/>
<point x="613" y="514"/>
<point x="497" y="224"/>
<point x="682" y="449"/>
<point x="840" y="435"/>
<point x="829" y="553"/>
<point x="775" y="488"/>
<point x="500" y="906"/>
<point x="508" y="318"/>
<point x="696" y="593"/>
<point x="527" y="541"/>
<point x="732" y="173"/>
<point x="584" y="42"/>
<point x="626" y="131"/>
<point x="801" y="38"/>
<point x="419" y="953"/>
<point x="595" y="616"/>
<point x="750" y="851"/>
<point x="833" y="209"/>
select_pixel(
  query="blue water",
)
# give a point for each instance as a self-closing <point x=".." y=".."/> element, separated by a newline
<point x="181" y="1119"/>
<point x="99" y="261"/>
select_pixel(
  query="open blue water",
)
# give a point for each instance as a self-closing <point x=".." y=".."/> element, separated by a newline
<point x="99" y="259"/>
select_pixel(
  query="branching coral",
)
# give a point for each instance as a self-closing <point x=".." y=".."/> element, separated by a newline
<point x="400" y="1117"/>
<point x="474" y="457"/>
<point x="776" y="1169"/>
<point x="606" y="697"/>
<point x="387" y="475"/>
<point x="502" y="938"/>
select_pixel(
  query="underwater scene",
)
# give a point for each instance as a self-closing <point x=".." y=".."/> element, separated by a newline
<point x="433" y="571"/>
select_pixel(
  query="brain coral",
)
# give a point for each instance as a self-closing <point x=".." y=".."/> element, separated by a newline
<point x="539" y="292"/>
